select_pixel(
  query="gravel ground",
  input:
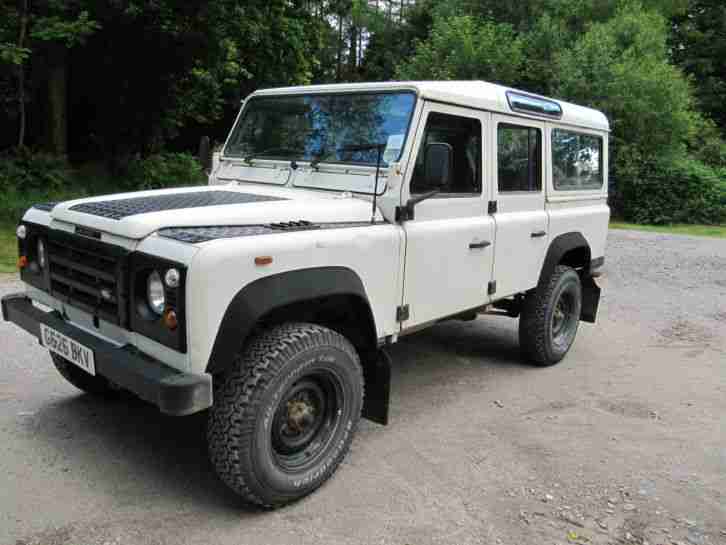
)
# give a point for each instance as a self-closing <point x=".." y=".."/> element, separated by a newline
<point x="623" y="442"/>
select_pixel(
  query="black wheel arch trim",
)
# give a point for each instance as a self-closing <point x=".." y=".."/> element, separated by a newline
<point x="558" y="248"/>
<point x="262" y="296"/>
<point x="562" y="244"/>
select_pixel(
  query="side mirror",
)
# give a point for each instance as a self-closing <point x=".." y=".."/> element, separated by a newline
<point x="205" y="154"/>
<point x="438" y="162"/>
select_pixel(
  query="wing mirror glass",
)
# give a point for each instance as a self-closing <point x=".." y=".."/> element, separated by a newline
<point x="438" y="161"/>
<point x="438" y="164"/>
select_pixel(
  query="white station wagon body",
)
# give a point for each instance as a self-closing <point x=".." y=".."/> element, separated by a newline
<point x="458" y="252"/>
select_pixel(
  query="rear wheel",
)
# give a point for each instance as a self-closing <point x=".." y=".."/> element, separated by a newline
<point x="550" y="317"/>
<point x="284" y="416"/>
<point x="96" y="385"/>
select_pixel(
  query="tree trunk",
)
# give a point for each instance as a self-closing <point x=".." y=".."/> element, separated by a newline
<point x="23" y="9"/>
<point x="340" y="47"/>
<point x="58" y="99"/>
<point x="353" y="57"/>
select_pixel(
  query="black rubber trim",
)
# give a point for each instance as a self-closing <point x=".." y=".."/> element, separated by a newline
<point x="597" y="263"/>
<point x="377" y="377"/>
<point x="558" y="248"/>
<point x="590" y="299"/>
<point x="174" y="392"/>
<point x="266" y="294"/>
<point x="119" y="209"/>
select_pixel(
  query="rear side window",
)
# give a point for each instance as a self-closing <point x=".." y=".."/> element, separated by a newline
<point x="519" y="158"/>
<point x="576" y="160"/>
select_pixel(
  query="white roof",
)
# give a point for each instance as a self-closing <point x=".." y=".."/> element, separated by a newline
<point x="474" y="94"/>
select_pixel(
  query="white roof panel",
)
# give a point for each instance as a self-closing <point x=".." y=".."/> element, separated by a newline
<point x="473" y="94"/>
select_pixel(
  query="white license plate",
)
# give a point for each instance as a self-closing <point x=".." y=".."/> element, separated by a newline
<point x="71" y="350"/>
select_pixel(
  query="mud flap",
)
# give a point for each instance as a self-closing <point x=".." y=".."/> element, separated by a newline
<point x="590" y="298"/>
<point x="377" y="376"/>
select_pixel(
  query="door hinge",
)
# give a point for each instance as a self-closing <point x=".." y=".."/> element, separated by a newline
<point x="402" y="313"/>
<point x="492" y="287"/>
<point x="492" y="209"/>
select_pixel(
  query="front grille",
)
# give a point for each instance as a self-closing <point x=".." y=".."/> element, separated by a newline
<point x="88" y="275"/>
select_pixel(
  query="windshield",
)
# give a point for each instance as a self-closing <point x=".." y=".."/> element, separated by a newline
<point x="323" y="128"/>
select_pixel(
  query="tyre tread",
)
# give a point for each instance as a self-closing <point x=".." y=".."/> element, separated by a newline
<point x="232" y="417"/>
<point x="532" y="323"/>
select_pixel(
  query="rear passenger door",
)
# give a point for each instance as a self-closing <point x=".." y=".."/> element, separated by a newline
<point x="518" y="188"/>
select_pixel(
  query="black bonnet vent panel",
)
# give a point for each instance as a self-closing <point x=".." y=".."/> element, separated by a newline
<point x="122" y="208"/>
<point x="45" y="206"/>
<point x="203" y="234"/>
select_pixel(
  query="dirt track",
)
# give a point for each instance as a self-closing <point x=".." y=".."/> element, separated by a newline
<point x="624" y="442"/>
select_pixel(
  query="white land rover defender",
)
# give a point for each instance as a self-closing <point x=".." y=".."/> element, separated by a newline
<point x="337" y="219"/>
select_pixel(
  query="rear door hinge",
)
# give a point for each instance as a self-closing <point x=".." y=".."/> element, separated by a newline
<point x="492" y="208"/>
<point x="492" y="287"/>
<point x="402" y="313"/>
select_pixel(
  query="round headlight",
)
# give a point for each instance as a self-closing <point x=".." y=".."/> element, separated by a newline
<point x="41" y="253"/>
<point x="155" y="293"/>
<point x="21" y="231"/>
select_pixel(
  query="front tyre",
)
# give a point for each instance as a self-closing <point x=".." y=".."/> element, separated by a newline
<point x="285" y="414"/>
<point x="550" y="317"/>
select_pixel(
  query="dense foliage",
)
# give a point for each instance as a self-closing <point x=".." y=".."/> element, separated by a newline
<point x="127" y="83"/>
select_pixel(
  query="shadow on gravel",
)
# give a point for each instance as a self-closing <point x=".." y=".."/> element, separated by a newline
<point x="131" y="451"/>
<point x="490" y="342"/>
<point x="128" y="450"/>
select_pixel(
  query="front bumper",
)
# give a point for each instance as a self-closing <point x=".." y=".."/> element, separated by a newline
<point x="174" y="392"/>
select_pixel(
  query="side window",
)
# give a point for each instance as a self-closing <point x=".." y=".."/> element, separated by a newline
<point x="576" y="160"/>
<point x="463" y="135"/>
<point x="519" y="158"/>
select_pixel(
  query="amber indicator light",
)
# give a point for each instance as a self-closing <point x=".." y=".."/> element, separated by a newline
<point x="22" y="262"/>
<point x="263" y="260"/>
<point x="170" y="320"/>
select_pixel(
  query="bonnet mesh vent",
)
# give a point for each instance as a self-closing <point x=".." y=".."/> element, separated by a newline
<point x="122" y="208"/>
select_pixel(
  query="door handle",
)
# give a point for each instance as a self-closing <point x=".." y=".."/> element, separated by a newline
<point x="475" y="245"/>
<point x="538" y="234"/>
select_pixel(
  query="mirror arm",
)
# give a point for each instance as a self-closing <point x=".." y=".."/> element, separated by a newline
<point x="405" y="213"/>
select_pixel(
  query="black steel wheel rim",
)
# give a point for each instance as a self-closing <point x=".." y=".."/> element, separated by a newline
<point x="306" y="419"/>
<point x="564" y="321"/>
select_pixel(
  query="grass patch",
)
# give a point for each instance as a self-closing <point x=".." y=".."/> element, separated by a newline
<point x="8" y="248"/>
<point x="717" y="231"/>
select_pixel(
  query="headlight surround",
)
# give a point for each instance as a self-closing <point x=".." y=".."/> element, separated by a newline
<point x="155" y="295"/>
<point x="149" y="316"/>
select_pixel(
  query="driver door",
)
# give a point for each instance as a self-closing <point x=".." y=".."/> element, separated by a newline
<point x="450" y="240"/>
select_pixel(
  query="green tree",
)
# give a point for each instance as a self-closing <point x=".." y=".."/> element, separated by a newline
<point x="699" y="47"/>
<point x="462" y="47"/>
<point x="47" y="29"/>
<point x="622" y="67"/>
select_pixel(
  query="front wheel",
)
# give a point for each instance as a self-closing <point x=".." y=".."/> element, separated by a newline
<point x="550" y="317"/>
<point x="285" y="414"/>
